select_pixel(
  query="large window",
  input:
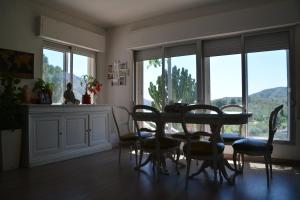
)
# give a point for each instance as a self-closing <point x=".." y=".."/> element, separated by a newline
<point x="225" y="83"/>
<point x="267" y="88"/>
<point x="62" y="64"/>
<point x="252" y="70"/>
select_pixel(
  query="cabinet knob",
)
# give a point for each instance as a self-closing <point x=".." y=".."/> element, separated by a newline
<point x="88" y="130"/>
<point x="60" y="133"/>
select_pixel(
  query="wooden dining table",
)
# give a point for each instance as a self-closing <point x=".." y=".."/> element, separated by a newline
<point x="214" y="120"/>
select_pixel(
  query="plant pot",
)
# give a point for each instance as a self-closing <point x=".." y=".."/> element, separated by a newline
<point x="10" y="149"/>
<point x="86" y="99"/>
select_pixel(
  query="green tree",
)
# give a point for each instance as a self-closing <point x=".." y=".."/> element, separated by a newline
<point x="54" y="75"/>
<point x="183" y="87"/>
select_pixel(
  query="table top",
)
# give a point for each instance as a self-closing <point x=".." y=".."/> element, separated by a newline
<point x="199" y="118"/>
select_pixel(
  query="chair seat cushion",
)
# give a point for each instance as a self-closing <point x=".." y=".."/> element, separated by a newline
<point x="251" y="146"/>
<point x="164" y="142"/>
<point x="231" y="137"/>
<point x="134" y="136"/>
<point x="181" y="136"/>
<point x="202" y="148"/>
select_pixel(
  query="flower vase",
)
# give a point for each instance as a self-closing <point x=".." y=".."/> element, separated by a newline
<point x="86" y="99"/>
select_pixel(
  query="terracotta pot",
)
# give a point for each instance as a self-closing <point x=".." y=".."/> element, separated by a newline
<point x="86" y="99"/>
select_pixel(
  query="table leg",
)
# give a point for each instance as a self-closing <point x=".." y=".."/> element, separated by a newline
<point x="222" y="168"/>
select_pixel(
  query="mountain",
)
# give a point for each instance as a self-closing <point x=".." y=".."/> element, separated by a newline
<point x="261" y="104"/>
<point x="273" y="93"/>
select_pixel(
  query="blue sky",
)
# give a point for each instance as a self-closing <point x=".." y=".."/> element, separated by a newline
<point x="80" y="63"/>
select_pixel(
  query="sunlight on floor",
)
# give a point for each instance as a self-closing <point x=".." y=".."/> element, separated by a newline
<point x="275" y="167"/>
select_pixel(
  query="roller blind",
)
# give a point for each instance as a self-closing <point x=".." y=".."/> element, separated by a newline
<point x="84" y="52"/>
<point x="267" y="42"/>
<point x="56" y="46"/>
<point x="180" y="50"/>
<point x="148" y="54"/>
<point x="224" y="46"/>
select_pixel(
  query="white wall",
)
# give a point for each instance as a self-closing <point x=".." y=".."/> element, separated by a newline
<point x="245" y="18"/>
<point x="19" y="22"/>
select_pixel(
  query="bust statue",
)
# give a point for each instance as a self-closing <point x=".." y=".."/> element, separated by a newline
<point x="69" y="95"/>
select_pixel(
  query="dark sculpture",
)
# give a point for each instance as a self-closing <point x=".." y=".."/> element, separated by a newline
<point x="69" y="95"/>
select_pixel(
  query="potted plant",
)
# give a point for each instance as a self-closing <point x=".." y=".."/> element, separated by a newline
<point x="10" y="118"/>
<point x="91" y="86"/>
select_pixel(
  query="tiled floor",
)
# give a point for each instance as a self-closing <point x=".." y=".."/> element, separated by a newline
<point x="100" y="177"/>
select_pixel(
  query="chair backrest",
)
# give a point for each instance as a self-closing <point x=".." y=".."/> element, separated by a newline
<point x="273" y="123"/>
<point x="214" y="135"/>
<point x="235" y="107"/>
<point x="199" y="108"/>
<point x="121" y="116"/>
<point x="141" y="109"/>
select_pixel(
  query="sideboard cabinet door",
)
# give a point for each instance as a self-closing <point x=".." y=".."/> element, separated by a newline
<point x="76" y="131"/>
<point x="46" y="135"/>
<point x="98" y="128"/>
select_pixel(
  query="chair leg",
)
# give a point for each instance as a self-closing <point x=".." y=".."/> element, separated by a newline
<point x="140" y="159"/>
<point x="221" y="176"/>
<point x="234" y="160"/>
<point x="270" y="163"/>
<point x="177" y="160"/>
<point x="188" y="165"/>
<point x="241" y="162"/>
<point x="130" y="153"/>
<point x="267" y="169"/>
<point x="120" y="149"/>
<point x="136" y="155"/>
<point x="215" y="170"/>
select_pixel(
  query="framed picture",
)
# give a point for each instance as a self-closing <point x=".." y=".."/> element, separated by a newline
<point x="122" y="80"/>
<point x="17" y="62"/>
<point x="114" y="82"/>
<point x="44" y="97"/>
<point x="109" y="75"/>
<point x="123" y="65"/>
<point x="109" y="68"/>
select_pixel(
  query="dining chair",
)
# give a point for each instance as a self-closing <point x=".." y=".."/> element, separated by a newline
<point x="231" y="136"/>
<point x="160" y="146"/>
<point x="210" y="150"/>
<point x="127" y="137"/>
<point x="256" y="147"/>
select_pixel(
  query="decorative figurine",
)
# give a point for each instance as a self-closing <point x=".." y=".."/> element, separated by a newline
<point x="69" y="95"/>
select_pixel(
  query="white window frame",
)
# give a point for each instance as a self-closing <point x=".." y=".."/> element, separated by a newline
<point x="72" y="50"/>
<point x="202" y="73"/>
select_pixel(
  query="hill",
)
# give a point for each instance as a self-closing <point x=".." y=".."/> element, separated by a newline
<point x="261" y="104"/>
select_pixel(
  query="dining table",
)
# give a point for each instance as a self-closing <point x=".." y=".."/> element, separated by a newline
<point x="213" y="120"/>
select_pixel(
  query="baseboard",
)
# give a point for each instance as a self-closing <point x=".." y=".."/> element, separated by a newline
<point x="260" y="159"/>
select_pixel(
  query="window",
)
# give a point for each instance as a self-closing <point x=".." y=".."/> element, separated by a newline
<point x="53" y="71"/>
<point x="169" y="80"/>
<point x="180" y="78"/>
<point x="225" y="83"/>
<point x="62" y="64"/>
<point x="267" y="58"/>
<point x="267" y="88"/>
<point x="251" y="69"/>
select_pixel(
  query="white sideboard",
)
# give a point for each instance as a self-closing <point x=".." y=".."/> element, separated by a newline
<point x="59" y="132"/>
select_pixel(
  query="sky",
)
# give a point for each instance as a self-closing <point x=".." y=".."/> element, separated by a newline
<point x="265" y="70"/>
<point x="80" y="63"/>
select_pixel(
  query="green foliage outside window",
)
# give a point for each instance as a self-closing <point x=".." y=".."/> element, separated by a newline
<point x="55" y="75"/>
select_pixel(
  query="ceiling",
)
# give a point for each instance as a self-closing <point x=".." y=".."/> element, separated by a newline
<point x="109" y="13"/>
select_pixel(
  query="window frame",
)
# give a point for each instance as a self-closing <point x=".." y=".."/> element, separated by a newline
<point x="65" y="49"/>
<point x="203" y="78"/>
